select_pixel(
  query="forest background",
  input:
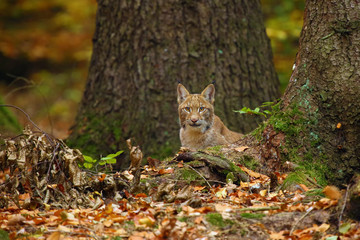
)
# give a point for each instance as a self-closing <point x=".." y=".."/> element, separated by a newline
<point x="45" y="50"/>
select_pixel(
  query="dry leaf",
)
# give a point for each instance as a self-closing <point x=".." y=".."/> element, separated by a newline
<point x="166" y="171"/>
<point x="16" y="219"/>
<point x="241" y="149"/>
<point x="54" y="236"/>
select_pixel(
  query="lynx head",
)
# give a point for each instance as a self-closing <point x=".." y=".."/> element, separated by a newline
<point x="196" y="111"/>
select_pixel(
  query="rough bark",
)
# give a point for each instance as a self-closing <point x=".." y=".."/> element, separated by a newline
<point x="142" y="48"/>
<point x="325" y="86"/>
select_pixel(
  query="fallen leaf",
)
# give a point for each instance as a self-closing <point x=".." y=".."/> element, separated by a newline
<point x="16" y="219"/>
<point x="198" y="188"/>
<point x="222" y="193"/>
<point x="344" y="228"/>
<point x="166" y="171"/>
<point x="54" y="236"/>
<point x="147" y="221"/>
<point x="241" y="149"/>
<point x="108" y="223"/>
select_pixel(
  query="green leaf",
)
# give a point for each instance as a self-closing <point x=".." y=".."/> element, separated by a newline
<point x="88" y="159"/>
<point x="111" y="161"/>
<point x="243" y="110"/>
<point x="265" y="104"/>
<point x="332" y="238"/>
<point x="257" y="110"/>
<point x="102" y="163"/>
<point x="112" y="155"/>
<point x="267" y="112"/>
<point x="88" y="165"/>
<point x="344" y="228"/>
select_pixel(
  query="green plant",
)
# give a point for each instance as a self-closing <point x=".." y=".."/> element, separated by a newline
<point x="258" y="110"/>
<point x="109" y="159"/>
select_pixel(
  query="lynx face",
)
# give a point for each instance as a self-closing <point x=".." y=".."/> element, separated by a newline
<point x="196" y="111"/>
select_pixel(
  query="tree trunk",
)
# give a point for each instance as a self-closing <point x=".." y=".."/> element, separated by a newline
<point x="142" y="48"/>
<point x="325" y="87"/>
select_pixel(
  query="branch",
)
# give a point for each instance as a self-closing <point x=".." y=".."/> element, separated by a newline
<point x="28" y="117"/>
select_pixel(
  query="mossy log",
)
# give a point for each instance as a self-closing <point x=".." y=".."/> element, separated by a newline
<point x="218" y="165"/>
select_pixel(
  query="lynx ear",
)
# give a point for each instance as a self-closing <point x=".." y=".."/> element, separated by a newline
<point x="209" y="93"/>
<point x="182" y="93"/>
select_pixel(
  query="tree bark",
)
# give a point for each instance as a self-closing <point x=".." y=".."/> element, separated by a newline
<point x="325" y="87"/>
<point x="142" y="48"/>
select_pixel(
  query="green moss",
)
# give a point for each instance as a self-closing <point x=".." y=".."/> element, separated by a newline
<point x="217" y="220"/>
<point x="189" y="174"/>
<point x="249" y="162"/>
<point x="216" y="150"/>
<point x="290" y="122"/>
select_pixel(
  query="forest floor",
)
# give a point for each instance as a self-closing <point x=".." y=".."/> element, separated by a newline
<point x="44" y="195"/>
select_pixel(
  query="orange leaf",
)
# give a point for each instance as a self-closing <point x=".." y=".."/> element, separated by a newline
<point x="204" y="209"/>
<point x="140" y="195"/>
<point x="198" y="188"/>
<point x="24" y="196"/>
<point x="166" y="171"/>
<point x="108" y="208"/>
<point x="102" y="177"/>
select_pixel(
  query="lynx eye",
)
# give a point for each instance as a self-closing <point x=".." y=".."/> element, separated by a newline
<point x="187" y="109"/>
<point x="201" y="109"/>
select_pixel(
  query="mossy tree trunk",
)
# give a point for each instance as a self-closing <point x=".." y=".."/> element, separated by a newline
<point x="325" y="86"/>
<point x="142" y="48"/>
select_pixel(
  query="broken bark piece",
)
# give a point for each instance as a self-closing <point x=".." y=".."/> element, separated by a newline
<point x="135" y="156"/>
<point x="353" y="206"/>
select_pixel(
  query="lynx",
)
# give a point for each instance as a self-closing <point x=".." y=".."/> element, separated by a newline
<point x="199" y="126"/>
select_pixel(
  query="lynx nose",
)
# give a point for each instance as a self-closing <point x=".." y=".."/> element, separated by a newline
<point x="194" y="120"/>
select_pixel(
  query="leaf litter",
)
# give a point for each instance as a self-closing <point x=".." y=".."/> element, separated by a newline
<point x="45" y="195"/>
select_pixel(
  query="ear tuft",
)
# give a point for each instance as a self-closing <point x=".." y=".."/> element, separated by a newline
<point x="182" y="93"/>
<point x="209" y="93"/>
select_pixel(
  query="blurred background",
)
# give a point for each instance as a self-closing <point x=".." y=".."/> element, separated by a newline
<point x="45" y="50"/>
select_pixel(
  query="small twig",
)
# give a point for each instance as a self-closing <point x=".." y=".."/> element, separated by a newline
<point x="258" y="209"/>
<point x="300" y="219"/>
<point x="28" y="117"/>
<point x="343" y="206"/>
<point x="313" y="182"/>
<point x="199" y="175"/>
